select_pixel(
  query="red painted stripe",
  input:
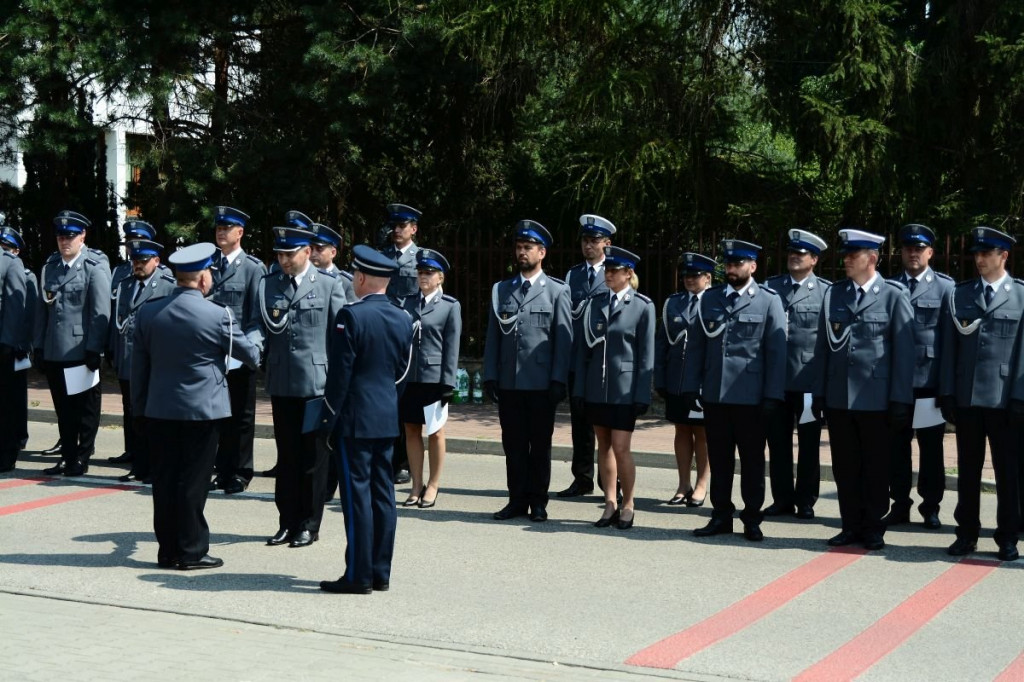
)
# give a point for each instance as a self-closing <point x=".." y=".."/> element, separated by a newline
<point x="18" y="482"/>
<point x="1013" y="672"/>
<point x="60" y="499"/>
<point x="876" y="642"/>
<point x="670" y="651"/>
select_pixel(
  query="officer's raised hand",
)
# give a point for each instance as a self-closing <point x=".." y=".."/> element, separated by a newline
<point x="947" y="406"/>
<point x="491" y="390"/>
<point x="556" y="392"/>
<point x="899" y="416"/>
<point x="1016" y="410"/>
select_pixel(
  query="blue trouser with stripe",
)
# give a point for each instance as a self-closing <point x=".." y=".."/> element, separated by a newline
<point x="368" y="503"/>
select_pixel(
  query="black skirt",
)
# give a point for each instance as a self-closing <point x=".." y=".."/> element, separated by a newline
<point x="676" y="413"/>
<point x="618" y="417"/>
<point x="415" y="397"/>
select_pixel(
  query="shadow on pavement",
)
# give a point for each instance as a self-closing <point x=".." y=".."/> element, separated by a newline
<point x="218" y="581"/>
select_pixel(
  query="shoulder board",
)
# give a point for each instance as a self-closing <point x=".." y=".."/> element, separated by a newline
<point x="775" y="277"/>
<point x="894" y="283"/>
<point x="327" y="274"/>
<point x="449" y="298"/>
<point x="1019" y="281"/>
<point x="555" y="279"/>
<point x="91" y="261"/>
<point x="826" y="282"/>
<point x="645" y="299"/>
<point x="717" y="287"/>
<point x="346" y="274"/>
<point x="942" y="275"/>
<point x="97" y="252"/>
<point x="254" y="259"/>
<point x="8" y="254"/>
<point x="163" y="267"/>
<point x="169" y="278"/>
<point x="765" y="287"/>
<point x="680" y="294"/>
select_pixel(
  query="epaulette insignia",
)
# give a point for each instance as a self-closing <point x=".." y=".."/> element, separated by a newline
<point x="765" y="287"/>
<point x="942" y="275"/>
<point x="168" y="278"/>
<point x="449" y="298"/>
<point x="645" y="299"/>
<point x="894" y="283"/>
<point x="555" y="279"/>
<point x="328" y="274"/>
<point x="346" y="274"/>
<point x="90" y="261"/>
<point x="824" y="281"/>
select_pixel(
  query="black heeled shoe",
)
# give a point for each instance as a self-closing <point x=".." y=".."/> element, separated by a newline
<point x="427" y="505"/>
<point x="626" y="525"/>
<point x="696" y="503"/>
<point x="680" y="499"/>
<point x="605" y="522"/>
<point x="414" y="500"/>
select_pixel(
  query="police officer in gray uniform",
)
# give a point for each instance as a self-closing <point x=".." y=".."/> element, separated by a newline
<point x="14" y="393"/>
<point x="866" y="338"/>
<point x="326" y="243"/>
<point x="71" y="330"/>
<point x="132" y="229"/>
<point x="930" y="292"/>
<point x="404" y="223"/>
<point x="235" y="286"/>
<point x="801" y="292"/>
<point x="736" y="365"/>
<point x="981" y="389"/>
<point x="298" y="306"/>
<point x="13" y="291"/>
<point x="585" y="280"/>
<point x="526" y="367"/>
<point x="149" y="280"/>
<point x="180" y="351"/>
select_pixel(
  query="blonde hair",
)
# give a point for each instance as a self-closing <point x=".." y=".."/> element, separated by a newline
<point x="634" y="281"/>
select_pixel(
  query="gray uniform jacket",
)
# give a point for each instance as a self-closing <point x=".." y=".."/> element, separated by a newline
<point x="13" y="292"/>
<point x="122" y="320"/>
<point x="981" y="363"/>
<point x="615" y="356"/>
<point x="179" y="357"/>
<point x="120" y="271"/>
<point x="529" y="340"/>
<point x="930" y="302"/>
<point x="677" y="320"/>
<point x="73" y="314"/>
<point x="435" y="343"/>
<point x="238" y="289"/>
<point x="580" y="292"/>
<point x="345" y="278"/>
<point x="297" y="329"/>
<point x="737" y="357"/>
<point x="405" y="282"/>
<point x="803" y="307"/>
<point x="867" y="349"/>
<point x="31" y="303"/>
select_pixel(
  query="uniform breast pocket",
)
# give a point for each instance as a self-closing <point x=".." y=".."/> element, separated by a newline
<point x="433" y="360"/>
<point x="1004" y="322"/>
<point x="311" y="312"/>
<point x="926" y="313"/>
<point x="749" y="325"/>
<point x="875" y="323"/>
<point x="540" y="315"/>
<point x="805" y="315"/>
<point x="230" y="295"/>
<point x="74" y="293"/>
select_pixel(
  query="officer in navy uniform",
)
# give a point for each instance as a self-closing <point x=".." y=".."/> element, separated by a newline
<point x="235" y="285"/>
<point x="930" y="292"/>
<point x="70" y="331"/>
<point x="981" y="389"/>
<point x="801" y="293"/>
<point x="526" y="366"/>
<point x="298" y="306"/>
<point x="179" y="381"/>
<point x="585" y="280"/>
<point x="326" y="244"/>
<point x="14" y="393"/>
<point x="149" y="280"/>
<point x="736" y="366"/>
<point x="865" y="337"/>
<point x="404" y="223"/>
<point x="369" y="357"/>
<point x="13" y="291"/>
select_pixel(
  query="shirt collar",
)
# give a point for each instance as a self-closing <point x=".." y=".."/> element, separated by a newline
<point x="742" y="291"/>
<point x="71" y="263"/>
<point x="299" y="277"/>
<point x="531" y="280"/>
<point x="920" y="277"/>
<point x="995" y="285"/>
<point x="622" y="294"/>
<point x="434" y="294"/>
<point x="233" y="255"/>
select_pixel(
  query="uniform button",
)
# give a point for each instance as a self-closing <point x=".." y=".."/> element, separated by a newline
<point x="852" y="348"/>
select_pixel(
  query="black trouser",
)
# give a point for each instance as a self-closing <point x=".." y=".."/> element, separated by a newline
<point x="583" y="440"/>
<point x="234" y="451"/>
<point x="780" y="448"/>
<point x="973" y="426"/>
<point x="19" y="389"/>
<point x="183" y="453"/>
<point x="730" y="428"/>
<point x="11" y="394"/>
<point x="399" y="455"/>
<point x="861" y="441"/>
<point x="301" y="481"/>
<point x="527" y="421"/>
<point x="931" y="473"/>
<point x="78" y="416"/>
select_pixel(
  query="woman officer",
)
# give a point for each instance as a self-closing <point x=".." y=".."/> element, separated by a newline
<point x="678" y="314"/>
<point x="613" y="376"/>
<point x="431" y="377"/>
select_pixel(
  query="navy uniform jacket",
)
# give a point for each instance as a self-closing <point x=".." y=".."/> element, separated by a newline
<point x="930" y="302"/>
<point x="297" y="329"/>
<point x="73" y="314"/>
<point x="981" y="362"/>
<point x="179" y="357"/>
<point x="369" y="356"/>
<point x="120" y="272"/>
<point x="435" y="355"/>
<point x="529" y="341"/>
<point x="677" y="320"/>
<point x="872" y="366"/>
<point x="803" y="307"/>
<point x="13" y="292"/>
<point x="122" y="320"/>
<point x="405" y="282"/>
<point x="238" y="289"/>
<point x="580" y="292"/>
<point x="737" y="357"/>
<point x="615" y="356"/>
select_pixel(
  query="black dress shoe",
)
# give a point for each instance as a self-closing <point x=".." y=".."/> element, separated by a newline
<point x="145" y="480"/>
<point x="304" y="538"/>
<point x="538" y="514"/>
<point x="342" y="586"/>
<point x="931" y="521"/>
<point x="402" y="477"/>
<point x="895" y="517"/>
<point x="576" y="489"/>
<point x="381" y="586"/>
<point x="509" y="511"/>
<point x="776" y="509"/>
<point x="752" y="532"/>
<point x="605" y="522"/>
<point x="804" y="511"/>
<point x="1008" y="552"/>
<point x="218" y="482"/>
<point x="206" y="562"/>
<point x="280" y="537"/>
<point x="716" y="526"/>
<point x="234" y="485"/>
<point x="76" y="468"/>
<point x="873" y="542"/>
<point x="962" y="547"/>
<point x="56" y="470"/>
<point x="123" y="458"/>
<point x="270" y="473"/>
<point x="126" y="478"/>
<point x="52" y="451"/>
<point x="625" y="524"/>
<point x="166" y="562"/>
<point x="846" y="537"/>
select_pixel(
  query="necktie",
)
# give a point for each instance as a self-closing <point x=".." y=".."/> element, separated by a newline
<point x="611" y="306"/>
<point x="295" y="285"/>
<point x="693" y="303"/>
<point x="139" y="288"/>
<point x="796" y="287"/>
<point x="990" y="293"/>
<point x="224" y="265"/>
<point x="526" y="287"/>
<point x="860" y="295"/>
<point x="590" y="276"/>
<point x="912" y="284"/>
<point x="423" y="302"/>
<point x="733" y="297"/>
<point x="67" y="268"/>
